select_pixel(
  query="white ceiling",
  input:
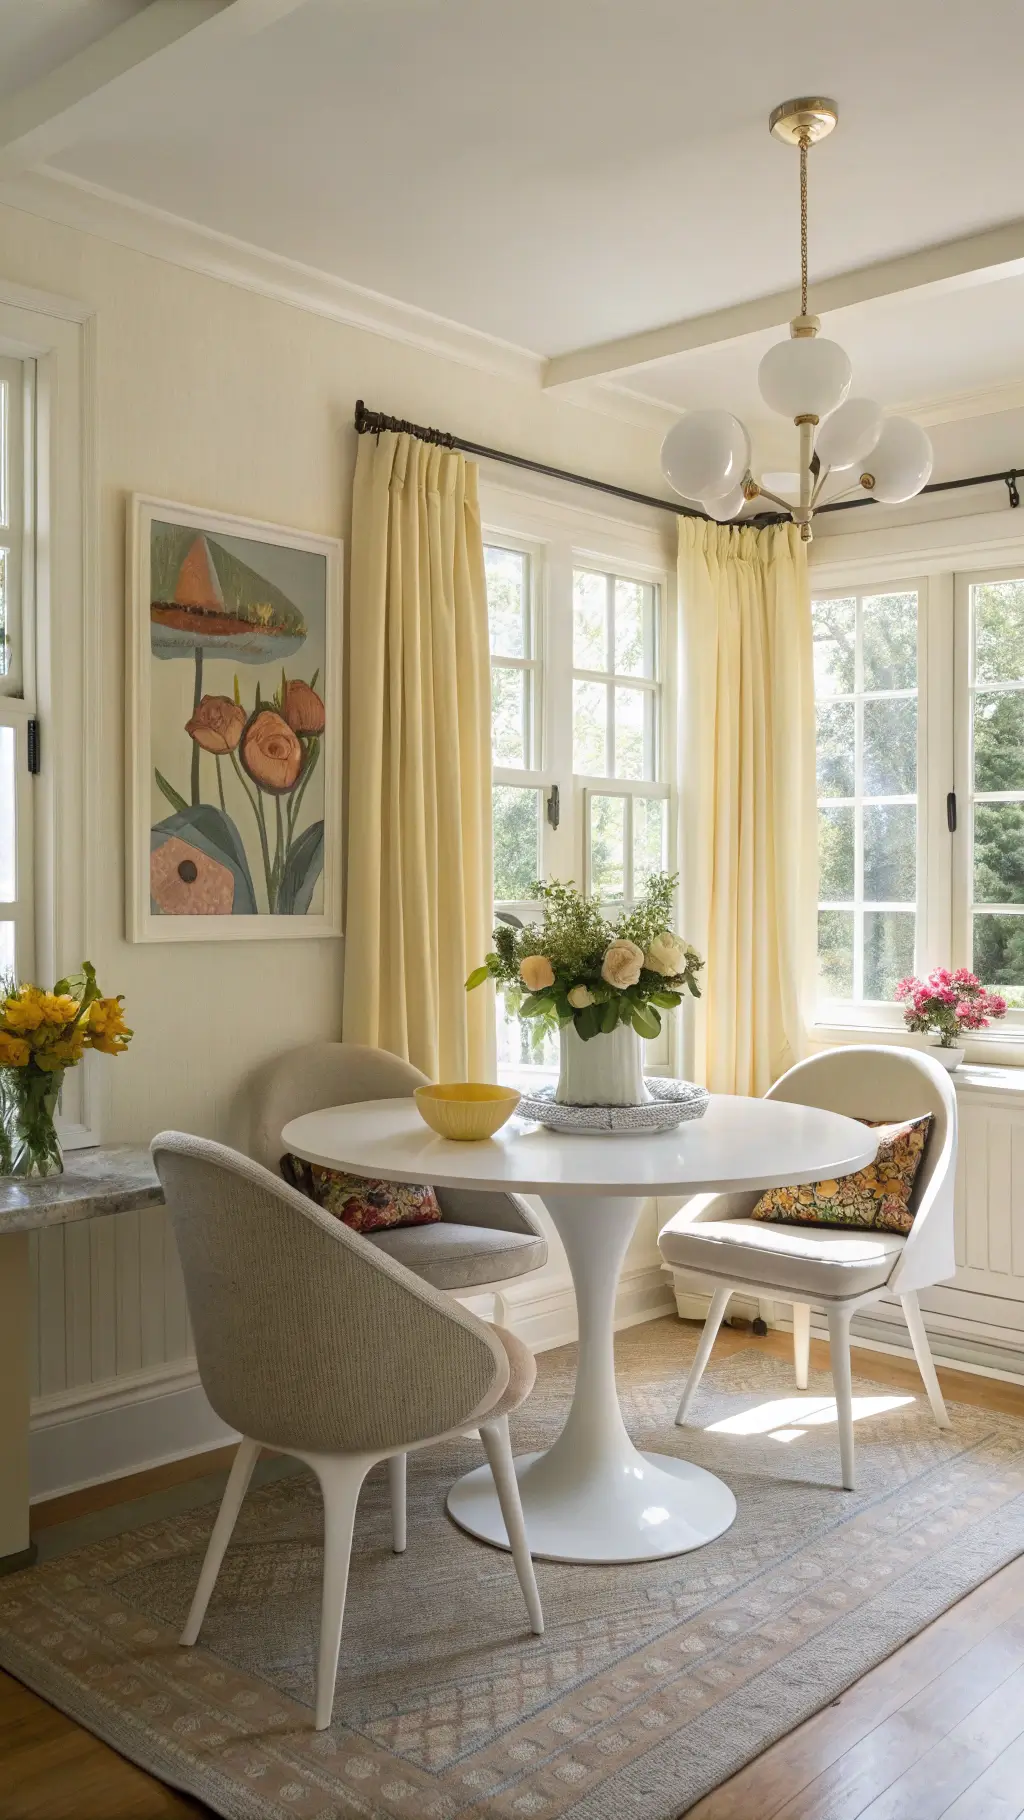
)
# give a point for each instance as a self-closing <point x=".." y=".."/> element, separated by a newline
<point x="39" y="34"/>
<point x="558" y="172"/>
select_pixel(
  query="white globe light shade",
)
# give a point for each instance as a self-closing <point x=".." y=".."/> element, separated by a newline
<point x="805" y="377"/>
<point x="705" y="454"/>
<point x="850" y="434"/>
<point x="730" y="505"/>
<point x="901" y="461"/>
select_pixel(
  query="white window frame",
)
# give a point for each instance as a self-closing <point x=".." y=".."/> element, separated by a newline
<point x="875" y="1013"/>
<point x="963" y="893"/>
<point x="935" y="552"/>
<point x="61" y="628"/>
<point x="17" y="686"/>
<point x="535" y="775"/>
<point x="560" y="537"/>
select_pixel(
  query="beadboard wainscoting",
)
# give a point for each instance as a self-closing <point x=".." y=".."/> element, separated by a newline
<point x="114" y="1386"/>
<point x="977" y="1320"/>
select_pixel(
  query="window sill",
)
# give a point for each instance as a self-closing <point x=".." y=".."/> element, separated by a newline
<point x="992" y="1064"/>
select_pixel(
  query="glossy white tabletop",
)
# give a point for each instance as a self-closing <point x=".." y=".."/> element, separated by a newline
<point x="739" y="1143"/>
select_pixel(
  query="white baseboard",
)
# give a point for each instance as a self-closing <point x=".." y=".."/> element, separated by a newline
<point x="544" y="1314"/>
<point x="692" y="1302"/>
<point x="103" y="1431"/>
<point x="962" y="1344"/>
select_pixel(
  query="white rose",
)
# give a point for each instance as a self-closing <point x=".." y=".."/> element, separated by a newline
<point x="581" y="997"/>
<point x="536" y="972"/>
<point x="667" y="954"/>
<point x="622" y="964"/>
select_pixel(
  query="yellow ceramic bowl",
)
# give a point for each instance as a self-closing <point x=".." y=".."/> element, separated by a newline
<point x="466" y="1110"/>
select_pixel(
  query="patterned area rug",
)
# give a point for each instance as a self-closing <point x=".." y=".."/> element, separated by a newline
<point x="652" y="1683"/>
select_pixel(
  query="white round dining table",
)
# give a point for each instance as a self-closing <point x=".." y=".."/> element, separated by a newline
<point x="592" y="1496"/>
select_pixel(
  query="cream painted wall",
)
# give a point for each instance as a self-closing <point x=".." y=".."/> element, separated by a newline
<point x="216" y="396"/>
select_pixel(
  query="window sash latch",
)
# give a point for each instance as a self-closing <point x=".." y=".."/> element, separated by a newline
<point x="951" y="811"/>
<point x="35" y="761"/>
<point x="553" y="808"/>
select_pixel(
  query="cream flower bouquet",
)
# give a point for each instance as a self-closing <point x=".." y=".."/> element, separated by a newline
<point x="575" y="967"/>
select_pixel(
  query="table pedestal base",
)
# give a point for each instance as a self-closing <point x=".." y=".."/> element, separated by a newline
<point x="592" y="1496"/>
<point x="652" y="1506"/>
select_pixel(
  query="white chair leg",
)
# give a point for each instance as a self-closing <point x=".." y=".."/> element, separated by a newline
<point x="227" y="1516"/>
<point x="716" y="1315"/>
<point x="842" y="1384"/>
<point x="923" y="1355"/>
<point x="396" y="1485"/>
<point x="801" y="1342"/>
<point x="498" y="1448"/>
<point x="341" y="1479"/>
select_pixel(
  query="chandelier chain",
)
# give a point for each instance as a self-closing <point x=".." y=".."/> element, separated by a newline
<point x="804" y="143"/>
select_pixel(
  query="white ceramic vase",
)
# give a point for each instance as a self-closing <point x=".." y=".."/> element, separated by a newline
<point x="949" y="1058"/>
<point x="606" y="1071"/>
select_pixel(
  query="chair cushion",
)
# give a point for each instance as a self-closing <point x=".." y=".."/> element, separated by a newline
<point x="875" y="1198"/>
<point x="455" y="1257"/>
<point x="361" y="1202"/>
<point x="810" y="1259"/>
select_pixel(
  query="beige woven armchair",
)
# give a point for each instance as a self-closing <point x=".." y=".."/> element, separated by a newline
<point x="311" y="1341"/>
<point x="481" y="1241"/>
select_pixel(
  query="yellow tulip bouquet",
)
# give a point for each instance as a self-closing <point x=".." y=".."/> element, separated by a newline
<point x="42" y="1034"/>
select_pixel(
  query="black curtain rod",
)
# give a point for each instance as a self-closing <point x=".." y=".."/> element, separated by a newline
<point x="371" y="423"/>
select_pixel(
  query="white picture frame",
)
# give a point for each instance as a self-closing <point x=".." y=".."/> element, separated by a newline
<point x="248" y="832"/>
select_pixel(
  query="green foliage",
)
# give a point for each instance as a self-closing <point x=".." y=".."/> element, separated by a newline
<point x="574" y="936"/>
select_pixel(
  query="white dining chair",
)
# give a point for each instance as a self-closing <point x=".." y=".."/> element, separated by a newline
<point x="839" y="1270"/>
<point x="315" y="1343"/>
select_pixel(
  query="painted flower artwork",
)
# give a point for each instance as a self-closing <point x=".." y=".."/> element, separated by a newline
<point x="238" y="723"/>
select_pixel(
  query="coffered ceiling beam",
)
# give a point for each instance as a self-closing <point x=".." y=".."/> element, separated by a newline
<point x="975" y="259"/>
<point x="40" y="120"/>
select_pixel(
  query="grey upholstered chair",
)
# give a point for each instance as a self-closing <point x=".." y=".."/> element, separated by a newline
<point x="840" y="1270"/>
<point x="481" y="1241"/>
<point x="315" y="1343"/>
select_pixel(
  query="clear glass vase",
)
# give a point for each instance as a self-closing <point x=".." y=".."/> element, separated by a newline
<point x="30" y="1142"/>
<point x="608" y="1070"/>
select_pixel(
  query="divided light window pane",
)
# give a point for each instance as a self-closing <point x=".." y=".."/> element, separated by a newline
<point x="865" y="673"/>
<point x="517" y="865"/>
<point x="514" y="705"/>
<point x="615" y="667"/>
<point x="616" y="701"/>
<point x="997" y="778"/>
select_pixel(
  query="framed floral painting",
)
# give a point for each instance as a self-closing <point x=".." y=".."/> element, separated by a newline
<point x="234" y="728"/>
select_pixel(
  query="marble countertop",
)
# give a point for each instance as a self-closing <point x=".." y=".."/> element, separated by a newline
<point x="112" y="1178"/>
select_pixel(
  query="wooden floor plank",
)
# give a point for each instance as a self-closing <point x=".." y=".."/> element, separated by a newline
<point x="50" y="1769"/>
<point x="789" y="1766"/>
<point x="996" y="1795"/>
<point x="850" y="1787"/>
<point x="950" y="1767"/>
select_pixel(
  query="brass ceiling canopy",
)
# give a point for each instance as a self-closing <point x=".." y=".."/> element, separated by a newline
<point x="804" y="121"/>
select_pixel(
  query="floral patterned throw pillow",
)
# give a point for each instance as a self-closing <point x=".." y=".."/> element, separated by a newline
<point x="359" y="1201"/>
<point x="876" y="1197"/>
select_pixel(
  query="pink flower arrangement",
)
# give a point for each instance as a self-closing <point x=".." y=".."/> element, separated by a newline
<point x="949" y="1003"/>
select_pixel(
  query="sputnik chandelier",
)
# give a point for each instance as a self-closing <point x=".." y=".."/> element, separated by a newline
<point x="706" y="455"/>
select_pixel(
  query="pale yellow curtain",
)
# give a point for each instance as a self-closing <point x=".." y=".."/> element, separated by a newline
<point x="747" y="796"/>
<point x="419" y="892"/>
